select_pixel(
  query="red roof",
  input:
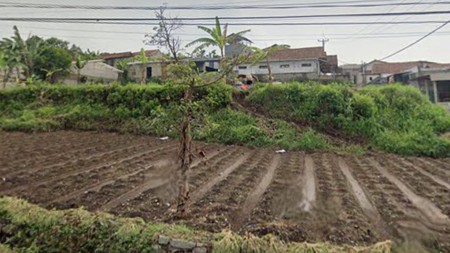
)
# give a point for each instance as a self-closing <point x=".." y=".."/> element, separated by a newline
<point x="291" y="54"/>
<point x="148" y="53"/>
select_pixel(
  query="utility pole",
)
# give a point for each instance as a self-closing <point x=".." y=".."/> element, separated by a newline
<point x="323" y="41"/>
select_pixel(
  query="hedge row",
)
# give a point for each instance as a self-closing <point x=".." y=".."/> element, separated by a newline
<point x="132" y="97"/>
<point x="31" y="229"/>
<point x="393" y="118"/>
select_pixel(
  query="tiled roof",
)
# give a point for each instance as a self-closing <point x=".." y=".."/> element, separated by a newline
<point x="298" y="54"/>
<point x="148" y="53"/>
<point x="399" y="67"/>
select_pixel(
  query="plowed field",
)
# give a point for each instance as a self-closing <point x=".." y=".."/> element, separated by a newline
<point x="297" y="196"/>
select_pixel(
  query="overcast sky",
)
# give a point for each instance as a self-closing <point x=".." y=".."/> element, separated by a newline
<point x="347" y="42"/>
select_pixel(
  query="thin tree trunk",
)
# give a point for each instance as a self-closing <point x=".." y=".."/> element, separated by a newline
<point x="185" y="156"/>
<point x="78" y="76"/>
<point x="222" y="64"/>
<point x="144" y="74"/>
<point x="270" y="71"/>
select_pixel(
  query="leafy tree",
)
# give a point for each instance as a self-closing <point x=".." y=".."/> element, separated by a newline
<point x="142" y="57"/>
<point x="52" y="60"/>
<point x="164" y="34"/>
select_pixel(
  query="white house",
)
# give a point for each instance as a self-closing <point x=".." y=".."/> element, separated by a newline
<point x="292" y="64"/>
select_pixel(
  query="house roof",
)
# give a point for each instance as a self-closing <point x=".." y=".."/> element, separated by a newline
<point x="399" y="67"/>
<point x="121" y="55"/>
<point x="290" y="54"/>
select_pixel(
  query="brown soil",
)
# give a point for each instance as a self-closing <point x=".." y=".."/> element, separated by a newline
<point x="299" y="197"/>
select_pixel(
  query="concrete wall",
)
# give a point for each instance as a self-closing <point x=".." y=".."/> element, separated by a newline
<point x="13" y="79"/>
<point x="94" y="71"/>
<point x="135" y="70"/>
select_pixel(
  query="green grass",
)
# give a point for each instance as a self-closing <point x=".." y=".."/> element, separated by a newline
<point x="392" y="118"/>
<point x="29" y="228"/>
<point x="152" y="109"/>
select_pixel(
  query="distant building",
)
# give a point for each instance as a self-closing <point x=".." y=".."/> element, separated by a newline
<point x="377" y="72"/>
<point x="433" y="82"/>
<point x="114" y="58"/>
<point x="293" y="64"/>
<point x="158" y="69"/>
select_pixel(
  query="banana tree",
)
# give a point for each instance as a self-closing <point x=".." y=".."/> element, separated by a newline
<point x="142" y="57"/>
<point x="79" y="65"/>
<point x="218" y="37"/>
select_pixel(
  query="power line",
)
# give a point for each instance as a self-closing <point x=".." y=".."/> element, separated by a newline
<point x="312" y="35"/>
<point x="68" y="21"/>
<point x="342" y="4"/>
<point x="346" y="15"/>
<point x="417" y="41"/>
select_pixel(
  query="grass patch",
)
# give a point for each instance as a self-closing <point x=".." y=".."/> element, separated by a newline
<point x="152" y="109"/>
<point x="34" y="230"/>
<point x="392" y="118"/>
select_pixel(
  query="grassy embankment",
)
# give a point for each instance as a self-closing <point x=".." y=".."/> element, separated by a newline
<point x="31" y="229"/>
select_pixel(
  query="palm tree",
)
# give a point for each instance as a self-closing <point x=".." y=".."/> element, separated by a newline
<point x="264" y="54"/>
<point x="218" y="38"/>
<point x="142" y="57"/>
<point x="79" y="65"/>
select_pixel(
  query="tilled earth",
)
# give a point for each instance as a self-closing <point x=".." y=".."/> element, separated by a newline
<point x="297" y="196"/>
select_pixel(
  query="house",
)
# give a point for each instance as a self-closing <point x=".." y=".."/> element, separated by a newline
<point x="434" y="82"/>
<point x="114" y="58"/>
<point x="378" y="72"/>
<point x="292" y="64"/>
<point x="158" y="69"/>
<point x="93" y="72"/>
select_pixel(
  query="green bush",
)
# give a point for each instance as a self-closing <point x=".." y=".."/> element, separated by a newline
<point x="393" y="118"/>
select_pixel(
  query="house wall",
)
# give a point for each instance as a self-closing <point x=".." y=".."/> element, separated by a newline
<point x="13" y="78"/>
<point x="94" y="71"/>
<point x="283" y="70"/>
<point x="135" y="70"/>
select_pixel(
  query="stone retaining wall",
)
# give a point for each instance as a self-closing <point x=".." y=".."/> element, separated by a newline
<point x="163" y="244"/>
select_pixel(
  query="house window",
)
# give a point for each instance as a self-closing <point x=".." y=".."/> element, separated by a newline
<point x="242" y="67"/>
<point x="263" y="66"/>
<point x="306" y="64"/>
<point x="370" y="78"/>
<point x="284" y="66"/>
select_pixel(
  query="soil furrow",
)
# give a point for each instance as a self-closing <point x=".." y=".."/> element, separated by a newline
<point x="199" y="193"/>
<point x="433" y="213"/>
<point x="85" y="170"/>
<point x="255" y="196"/>
<point x="309" y="185"/>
